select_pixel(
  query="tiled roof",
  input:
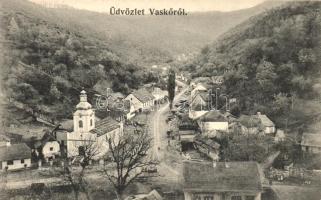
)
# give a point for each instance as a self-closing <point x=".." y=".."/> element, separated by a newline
<point x="213" y="116"/>
<point x="205" y="177"/>
<point x="15" y="152"/>
<point x="265" y="120"/>
<point x="105" y="126"/>
<point x="143" y="95"/>
<point x="250" y="121"/>
<point x="309" y="139"/>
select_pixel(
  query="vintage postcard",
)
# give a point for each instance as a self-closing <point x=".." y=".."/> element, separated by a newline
<point x="160" y="100"/>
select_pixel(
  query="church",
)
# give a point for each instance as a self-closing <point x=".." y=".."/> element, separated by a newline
<point x="89" y="132"/>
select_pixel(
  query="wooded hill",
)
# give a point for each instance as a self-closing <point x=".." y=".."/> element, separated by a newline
<point x="271" y="63"/>
<point x="46" y="65"/>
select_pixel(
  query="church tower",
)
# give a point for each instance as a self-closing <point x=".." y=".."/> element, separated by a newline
<point x="84" y="116"/>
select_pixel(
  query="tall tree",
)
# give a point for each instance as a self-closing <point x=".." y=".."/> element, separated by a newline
<point x="171" y="87"/>
<point x="74" y="172"/>
<point x="128" y="155"/>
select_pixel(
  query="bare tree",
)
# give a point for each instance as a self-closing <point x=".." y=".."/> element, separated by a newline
<point x="129" y="158"/>
<point x="74" y="168"/>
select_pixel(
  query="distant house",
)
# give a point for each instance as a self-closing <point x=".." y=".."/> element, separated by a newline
<point x="4" y="141"/>
<point x="47" y="146"/>
<point x="311" y="143"/>
<point x="250" y="124"/>
<point x="159" y="95"/>
<point x="199" y="87"/>
<point x="208" y="147"/>
<point x="268" y="125"/>
<point x="141" y="100"/>
<point x="153" y="195"/>
<point x="201" y="98"/>
<point x="204" y="80"/>
<point x="221" y="180"/>
<point x="188" y="130"/>
<point x="15" y="157"/>
<point x="279" y="136"/>
<point x="218" y="80"/>
<point x="211" y="122"/>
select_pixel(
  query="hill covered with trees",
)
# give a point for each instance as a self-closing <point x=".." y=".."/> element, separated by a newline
<point x="271" y="63"/>
<point x="46" y="65"/>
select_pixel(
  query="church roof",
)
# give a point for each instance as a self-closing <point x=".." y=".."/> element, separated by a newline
<point x="104" y="126"/>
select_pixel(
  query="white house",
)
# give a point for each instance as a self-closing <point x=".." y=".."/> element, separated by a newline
<point x="268" y="125"/>
<point x="48" y="146"/>
<point x="15" y="156"/>
<point x="141" y="100"/>
<point x="87" y="132"/>
<point x="199" y="87"/>
<point x="159" y="95"/>
<point x="211" y="122"/>
<point x="221" y="180"/>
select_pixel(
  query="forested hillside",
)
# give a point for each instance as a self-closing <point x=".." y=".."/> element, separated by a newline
<point x="144" y="40"/>
<point x="271" y="63"/>
<point x="45" y="65"/>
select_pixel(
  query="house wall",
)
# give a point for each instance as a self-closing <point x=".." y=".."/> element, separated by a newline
<point x="198" y="87"/>
<point x="55" y="149"/>
<point x="76" y="139"/>
<point x="310" y="149"/>
<point x="16" y="164"/>
<point x="220" y="196"/>
<point x="210" y="126"/>
<point x="269" y="129"/>
<point x="135" y="102"/>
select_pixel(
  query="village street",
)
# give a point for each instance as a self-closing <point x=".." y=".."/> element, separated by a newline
<point x="160" y="142"/>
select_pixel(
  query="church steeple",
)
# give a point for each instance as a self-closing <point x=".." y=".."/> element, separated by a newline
<point x="84" y="117"/>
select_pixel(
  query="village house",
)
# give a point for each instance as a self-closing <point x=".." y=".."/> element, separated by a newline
<point x="159" y="95"/>
<point x="187" y="131"/>
<point x="199" y="87"/>
<point x="153" y="195"/>
<point x="203" y="80"/>
<point x="311" y="143"/>
<point x="250" y="124"/>
<point x="47" y="146"/>
<point x="87" y="131"/>
<point x="4" y="141"/>
<point x="208" y="147"/>
<point x="221" y="181"/>
<point x="268" y="125"/>
<point x="141" y="100"/>
<point x="217" y="80"/>
<point x="203" y="99"/>
<point x="15" y="156"/>
<point x="211" y="122"/>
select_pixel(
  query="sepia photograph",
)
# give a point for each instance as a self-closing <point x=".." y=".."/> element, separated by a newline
<point x="160" y="100"/>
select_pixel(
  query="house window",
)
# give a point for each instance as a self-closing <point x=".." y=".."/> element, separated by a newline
<point x="10" y="162"/>
<point x="236" y="198"/>
<point x="51" y="148"/>
<point x="197" y="197"/>
<point x="91" y="122"/>
<point x="22" y="161"/>
<point x="208" y="198"/>
<point x="80" y="124"/>
<point x="249" y="198"/>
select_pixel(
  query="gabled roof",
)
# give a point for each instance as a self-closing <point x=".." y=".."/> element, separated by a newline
<point x="15" y="152"/>
<point x="105" y="125"/>
<point x="250" y="121"/>
<point x="312" y="140"/>
<point x="213" y="116"/>
<point x="143" y="95"/>
<point x="265" y="120"/>
<point x="205" y="177"/>
<point x="4" y="138"/>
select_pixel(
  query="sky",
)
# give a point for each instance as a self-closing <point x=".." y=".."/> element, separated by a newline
<point x="189" y="5"/>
